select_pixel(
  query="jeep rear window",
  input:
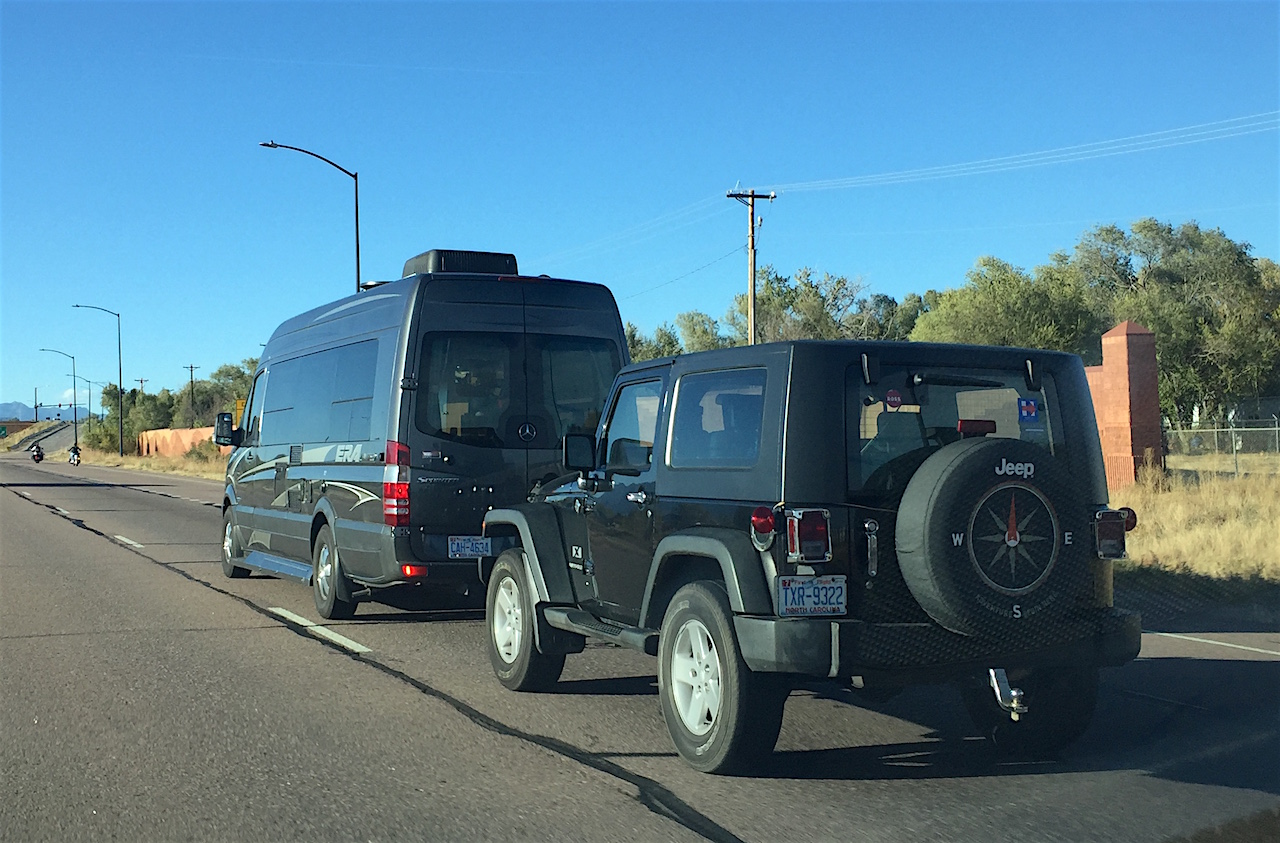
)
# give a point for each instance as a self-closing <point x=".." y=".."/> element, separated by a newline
<point x="893" y="425"/>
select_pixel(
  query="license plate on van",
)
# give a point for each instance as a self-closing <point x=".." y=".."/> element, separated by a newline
<point x="469" y="547"/>
<point x="812" y="596"/>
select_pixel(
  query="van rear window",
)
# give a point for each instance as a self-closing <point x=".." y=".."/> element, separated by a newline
<point x="510" y="390"/>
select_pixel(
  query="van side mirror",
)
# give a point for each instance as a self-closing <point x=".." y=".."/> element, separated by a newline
<point x="579" y="452"/>
<point x="223" y="431"/>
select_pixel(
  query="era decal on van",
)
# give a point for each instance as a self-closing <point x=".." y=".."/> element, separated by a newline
<point x="348" y="453"/>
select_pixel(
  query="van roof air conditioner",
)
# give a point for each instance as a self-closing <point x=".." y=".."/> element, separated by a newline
<point x="454" y="260"/>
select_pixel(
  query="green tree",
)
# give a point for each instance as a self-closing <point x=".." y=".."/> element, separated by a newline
<point x="664" y="343"/>
<point x="1213" y="308"/>
<point x="1002" y="304"/>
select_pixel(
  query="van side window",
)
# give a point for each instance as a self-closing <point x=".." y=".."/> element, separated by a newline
<point x="322" y="397"/>
<point x="252" y="420"/>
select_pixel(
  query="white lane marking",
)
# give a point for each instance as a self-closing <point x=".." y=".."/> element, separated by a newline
<point x="25" y="494"/>
<point x="61" y="510"/>
<point x="1210" y="641"/>
<point x="130" y="542"/>
<point x="322" y="631"/>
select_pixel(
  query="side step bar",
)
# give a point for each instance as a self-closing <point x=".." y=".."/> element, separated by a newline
<point x="279" y="566"/>
<point x="584" y="623"/>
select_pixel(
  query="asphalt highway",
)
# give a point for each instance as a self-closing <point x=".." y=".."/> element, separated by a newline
<point x="143" y="696"/>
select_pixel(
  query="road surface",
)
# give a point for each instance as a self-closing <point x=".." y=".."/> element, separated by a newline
<point x="144" y="696"/>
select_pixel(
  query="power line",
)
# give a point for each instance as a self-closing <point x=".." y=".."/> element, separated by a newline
<point x="728" y="254"/>
<point x="1199" y="133"/>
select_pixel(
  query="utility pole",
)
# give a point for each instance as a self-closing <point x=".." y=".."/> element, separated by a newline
<point x="142" y="385"/>
<point x="749" y="199"/>
<point x="192" y="370"/>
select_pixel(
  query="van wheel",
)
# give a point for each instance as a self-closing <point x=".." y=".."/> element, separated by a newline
<point x="231" y="549"/>
<point x="1060" y="705"/>
<point x="721" y="716"/>
<point x="327" y="579"/>
<point x="509" y="618"/>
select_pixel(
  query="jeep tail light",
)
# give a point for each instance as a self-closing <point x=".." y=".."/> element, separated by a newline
<point x="397" y="453"/>
<point x="395" y="504"/>
<point x="808" y="535"/>
<point x="762" y="527"/>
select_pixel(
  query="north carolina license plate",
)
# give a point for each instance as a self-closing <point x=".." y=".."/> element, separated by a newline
<point x="469" y="547"/>
<point x="812" y="595"/>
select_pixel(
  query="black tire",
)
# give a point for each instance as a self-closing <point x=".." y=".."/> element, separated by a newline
<point x="739" y="730"/>
<point x="327" y="580"/>
<point x="1060" y="705"/>
<point x="993" y="535"/>
<point x="231" y="549"/>
<point x="509" y="619"/>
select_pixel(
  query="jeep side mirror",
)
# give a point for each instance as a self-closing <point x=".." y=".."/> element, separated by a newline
<point x="579" y="452"/>
<point x="223" y="431"/>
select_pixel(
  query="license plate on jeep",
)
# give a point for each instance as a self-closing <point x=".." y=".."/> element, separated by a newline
<point x="469" y="547"/>
<point x="812" y="596"/>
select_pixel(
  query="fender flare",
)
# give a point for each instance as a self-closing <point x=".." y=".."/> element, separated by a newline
<point x="741" y="564"/>
<point x="538" y="527"/>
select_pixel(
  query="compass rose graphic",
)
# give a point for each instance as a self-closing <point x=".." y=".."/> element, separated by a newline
<point x="1021" y="544"/>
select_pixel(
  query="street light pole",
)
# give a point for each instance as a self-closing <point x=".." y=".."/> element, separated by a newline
<point x="119" y="371"/>
<point x="75" y="420"/>
<point x="355" y="177"/>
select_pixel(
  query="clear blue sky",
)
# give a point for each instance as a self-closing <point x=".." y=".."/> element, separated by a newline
<point x="593" y="140"/>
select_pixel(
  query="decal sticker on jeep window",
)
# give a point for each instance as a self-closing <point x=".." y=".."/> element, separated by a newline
<point x="1015" y="538"/>
<point x="1028" y="410"/>
<point x="893" y="399"/>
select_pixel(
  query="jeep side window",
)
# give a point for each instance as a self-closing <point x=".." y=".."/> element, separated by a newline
<point x="717" y="419"/>
<point x="632" y="424"/>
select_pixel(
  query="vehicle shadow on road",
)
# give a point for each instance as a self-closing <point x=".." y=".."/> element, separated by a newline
<point x="618" y="686"/>
<point x="1201" y="721"/>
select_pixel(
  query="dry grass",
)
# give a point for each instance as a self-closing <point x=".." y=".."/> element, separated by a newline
<point x="191" y="465"/>
<point x="1217" y="526"/>
<point x="12" y="441"/>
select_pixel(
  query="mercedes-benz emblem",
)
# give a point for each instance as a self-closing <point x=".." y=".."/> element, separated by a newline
<point x="527" y="432"/>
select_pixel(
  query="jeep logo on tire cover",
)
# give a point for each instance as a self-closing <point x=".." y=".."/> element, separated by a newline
<point x="1014" y="538"/>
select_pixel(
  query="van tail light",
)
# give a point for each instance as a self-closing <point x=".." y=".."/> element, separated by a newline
<point x="395" y="504"/>
<point x="808" y="535"/>
<point x="397" y="453"/>
<point x="413" y="570"/>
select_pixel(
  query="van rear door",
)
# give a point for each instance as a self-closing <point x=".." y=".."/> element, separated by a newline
<point x="499" y="381"/>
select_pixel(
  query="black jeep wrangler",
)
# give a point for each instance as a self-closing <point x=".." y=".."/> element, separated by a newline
<point x="881" y="514"/>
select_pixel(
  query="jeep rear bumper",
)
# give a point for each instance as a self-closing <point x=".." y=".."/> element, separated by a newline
<point x="925" y="652"/>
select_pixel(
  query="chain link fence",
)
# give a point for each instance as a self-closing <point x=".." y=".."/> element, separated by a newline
<point x="1249" y="447"/>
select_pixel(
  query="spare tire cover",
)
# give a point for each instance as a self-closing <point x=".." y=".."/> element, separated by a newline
<point x="993" y="533"/>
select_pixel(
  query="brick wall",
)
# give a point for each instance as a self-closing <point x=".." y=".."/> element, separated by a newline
<point x="1126" y="401"/>
<point x="174" y="443"/>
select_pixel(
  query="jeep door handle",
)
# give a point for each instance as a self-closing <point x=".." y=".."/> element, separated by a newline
<point x="641" y="497"/>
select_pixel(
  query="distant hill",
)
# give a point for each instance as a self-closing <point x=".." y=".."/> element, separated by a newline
<point x="17" y="411"/>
